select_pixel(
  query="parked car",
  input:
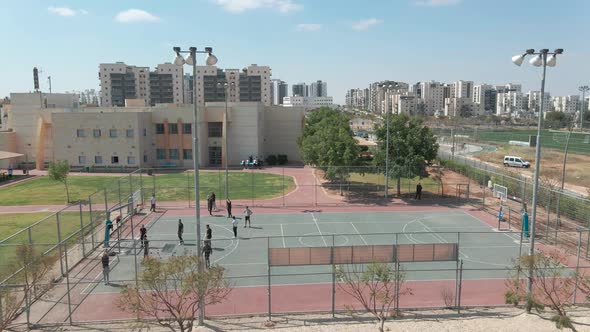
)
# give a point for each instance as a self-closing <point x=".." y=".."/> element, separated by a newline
<point x="514" y="161"/>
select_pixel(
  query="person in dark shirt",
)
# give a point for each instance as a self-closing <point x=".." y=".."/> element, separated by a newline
<point x="207" y="251"/>
<point x="419" y="191"/>
<point x="105" y="266"/>
<point x="146" y="247"/>
<point x="209" y="235"/>
<point x="228" y="207"/>
<point x="142" y="234"/>
<point x="180" y="231"/>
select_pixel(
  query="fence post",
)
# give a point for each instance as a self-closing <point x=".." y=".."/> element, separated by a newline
<point x="91" y="222"/>
<point x="549" y="214"/>
<point x="30" y="235"/>
<point x="67" y="282"/>
<point x="141" y="185"/>
<point x="252" y="186"/>
<point x="119" y="190"/>
<point x="269" y="282"/>
<point x="61" y="266"/>
<point x="315" y="191"/>
<point x="82" y="235"/>
<point x="188" y="189"/>
<point x="283" y="180"/>
<point x="460" y="286"/>
<point x="457" y="272"/>
<point x="333" y="279"/>
<point x="134" y="245"/>
<point x="577" y="266"/>
<point x="106" y="204"/>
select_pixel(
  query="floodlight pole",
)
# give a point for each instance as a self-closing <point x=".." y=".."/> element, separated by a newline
<point x="583" y="89"/>
<point x="386" y="148"/>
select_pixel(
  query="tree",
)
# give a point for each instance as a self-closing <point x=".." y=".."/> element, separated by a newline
<point x="59" y="171"/>
<point x="465" y="111"/>
<point x="377" y="288"/>
<point x="32" y="279"/>
<point x="554" y="285"/>
<point x="169" y="291"/>
<point x="421" y="109"/>
<point x="328" y="142"/>
<point x="411" y="146"/>
<point x="556" y="119"/>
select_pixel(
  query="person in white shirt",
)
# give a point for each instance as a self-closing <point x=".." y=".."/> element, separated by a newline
<point x="234" y="223"/>
<point x="247" y="213"/>
<point x="153" y="203"/>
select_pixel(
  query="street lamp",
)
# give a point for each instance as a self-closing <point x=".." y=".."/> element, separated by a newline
<point x="540" y="59"/>
<point x="192" y="61"/>
<point x="583" y="89"/>
<point x="226" y="87"/>
<point x="387" y="143"/>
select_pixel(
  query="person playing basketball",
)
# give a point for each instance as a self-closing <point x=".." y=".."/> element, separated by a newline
<point x="247" y="213"/>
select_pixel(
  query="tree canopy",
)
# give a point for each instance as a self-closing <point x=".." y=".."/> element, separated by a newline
<point x="327" y="142"/>
<point x="59" y="171"/>
<point x="411" y="146"/>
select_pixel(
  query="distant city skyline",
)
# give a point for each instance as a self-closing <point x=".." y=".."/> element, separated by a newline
<point x="348" y="46"/>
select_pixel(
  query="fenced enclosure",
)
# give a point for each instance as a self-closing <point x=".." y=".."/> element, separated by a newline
<point x="72" y="235"/>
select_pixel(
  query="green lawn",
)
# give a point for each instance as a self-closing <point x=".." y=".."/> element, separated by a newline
<point x="407" y="185"/>
<point x="43" y="234"/>
<point x="169" y="187"/>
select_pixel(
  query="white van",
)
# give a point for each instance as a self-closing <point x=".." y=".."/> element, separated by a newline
<point x="514" y="161"/>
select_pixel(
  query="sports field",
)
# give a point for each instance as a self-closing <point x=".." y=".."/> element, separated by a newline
<point x="485" y="253"/>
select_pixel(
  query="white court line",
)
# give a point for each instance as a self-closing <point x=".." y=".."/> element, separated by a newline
<point x="359" y="233"/>
<point x="283" y="236"/>
<point x="318" y="227"/>
<point x="233" y="249"/>
<point x="514" y="238"/>
<point x="434" y="234"/>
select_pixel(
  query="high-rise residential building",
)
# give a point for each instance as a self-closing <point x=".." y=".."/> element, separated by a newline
<point x="279" y="90"/>
<point x="566" y="104"/>
<point x="308" y="103"/>
<point x="188" y="88"/>
<point x="119" y="81"/>
<point x="484" y="97"/>
<point x="461" y="89"/>
<point x="460" y="107"/>
<point x="166" y="85"/>
<point x="357" y="98"/>
<point x="318" y="89"/>
<point x="509" y="99"/>
<point x="433" y="95"/>
<point x="533" y="101"/>
<point x="300" y="89"/>
<point x="380" y="95"/>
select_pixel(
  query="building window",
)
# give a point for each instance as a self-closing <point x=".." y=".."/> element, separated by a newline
<point x="187" y="128"/>
<point x="81" y="160"/>
<point x="96" y="132"/>
<point x="112" y="132"/>
<point x="130" y="160"/>
<point x="145" y="158"/>
<point x="114" y="159"/>
<point x="159" y="128"/>
<point x="173" y="154"/>
<point x="215" y="129"/>
<point x="187" y="154"/>
<point x="173" y="128"/>
<point x="161" y="154"/>
<point x="129" y="132"/>
<point x="98" y="160"/>
<point x="80" y="133"/>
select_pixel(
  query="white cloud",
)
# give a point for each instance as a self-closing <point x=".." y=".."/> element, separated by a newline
<point x="62" y="11"/>
<point x="436" y="3"/>
<point x="363" y="25"/>
<point x="135" y="16"/>
<point x="239" y="6"/>
<point x="309" y="27"/>
<point x="83" y="11"/>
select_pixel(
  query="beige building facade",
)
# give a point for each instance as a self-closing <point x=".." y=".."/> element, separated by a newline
<point x="132" y="137"/>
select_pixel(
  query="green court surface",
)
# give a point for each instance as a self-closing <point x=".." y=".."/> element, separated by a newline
<point x="485" y="252"/>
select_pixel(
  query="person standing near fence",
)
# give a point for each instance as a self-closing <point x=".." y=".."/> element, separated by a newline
<point x="107" y="231"/>
<point x="146" y="247"/>
<point x="247" y="214"/>
<point x="213" y="204"/>
<point x="105" y="266"/>
<point x="207" y="251"/>
<point x="142" y="234"/>
<point x="234" y="223"/>
<point x="209" y="235"/>
<point x="153" y="203"/>
<point x="209" y="205"/>
<point x="180" y="231"/>
<point x="419" y="191"/>
<point x="228" y="207"/>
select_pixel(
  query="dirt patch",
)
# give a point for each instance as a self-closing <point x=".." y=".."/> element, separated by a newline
<point x="577" y="167"/>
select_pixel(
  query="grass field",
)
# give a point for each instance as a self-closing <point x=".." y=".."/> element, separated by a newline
<point x="43" y="235"/>
<point x="169" y="187"/>
<point x="579" y="142"/>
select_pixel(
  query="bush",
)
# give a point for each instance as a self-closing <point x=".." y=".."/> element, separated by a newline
<point x="511" y="298"/>
<point x="271" y="160"/>
<point x="282" y="159"/>
<point x="562" y="322"/>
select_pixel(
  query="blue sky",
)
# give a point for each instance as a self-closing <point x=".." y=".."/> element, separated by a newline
<point x="348" y="43"/>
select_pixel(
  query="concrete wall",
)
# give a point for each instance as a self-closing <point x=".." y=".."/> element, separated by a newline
<point x="283" y="127"/>
<point x="8" y="143"/>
